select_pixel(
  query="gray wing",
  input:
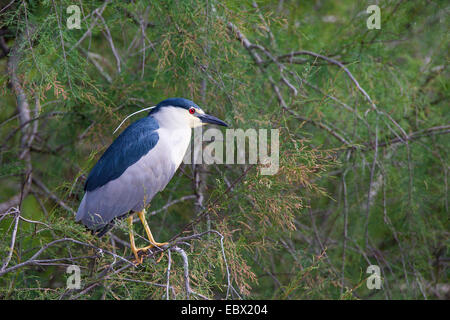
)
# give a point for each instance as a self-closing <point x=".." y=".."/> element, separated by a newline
<point x="133" y="190"/>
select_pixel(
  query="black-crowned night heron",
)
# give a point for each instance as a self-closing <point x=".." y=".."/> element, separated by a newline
<point x="139" y="164"/>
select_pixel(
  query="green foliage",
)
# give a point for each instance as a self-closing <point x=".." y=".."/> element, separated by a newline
<point x="352" y="190"/>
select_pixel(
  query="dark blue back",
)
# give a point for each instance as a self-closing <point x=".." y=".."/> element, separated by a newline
<point x="133" y="143"/>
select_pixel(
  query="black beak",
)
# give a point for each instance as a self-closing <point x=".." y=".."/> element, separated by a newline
<point x="206" y="118"/>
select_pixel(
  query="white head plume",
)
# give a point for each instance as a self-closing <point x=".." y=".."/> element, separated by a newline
<point x="145" y="109"/>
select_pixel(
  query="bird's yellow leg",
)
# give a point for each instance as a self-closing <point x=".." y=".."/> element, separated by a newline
<point x="141" y="215"/>
<point x="133" y="245"/>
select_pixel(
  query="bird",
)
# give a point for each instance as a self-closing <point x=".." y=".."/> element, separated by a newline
<point x="137" y="165"/>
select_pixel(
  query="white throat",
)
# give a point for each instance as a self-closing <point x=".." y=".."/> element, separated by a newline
<point x="174" y="131"/>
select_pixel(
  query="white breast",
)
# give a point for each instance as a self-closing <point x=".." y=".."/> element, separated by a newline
<point x="175" y="142"/>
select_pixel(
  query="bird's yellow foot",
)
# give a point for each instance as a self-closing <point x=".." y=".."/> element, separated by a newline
<point x="138" y="260"/>
<point x="157" y="244"/>
<point x="159" y="259"/>
<point x="153" y="243"/>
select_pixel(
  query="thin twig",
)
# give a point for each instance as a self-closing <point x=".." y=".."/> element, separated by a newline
<point x="13" y="240"/>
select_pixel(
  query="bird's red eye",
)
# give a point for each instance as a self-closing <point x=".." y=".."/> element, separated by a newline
<point x="191" y="110"/>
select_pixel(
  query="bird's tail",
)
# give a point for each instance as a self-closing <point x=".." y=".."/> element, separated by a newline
<point x="81" y="209"/>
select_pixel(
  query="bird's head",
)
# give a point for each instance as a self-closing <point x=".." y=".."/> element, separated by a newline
<point x="183" y="111"/>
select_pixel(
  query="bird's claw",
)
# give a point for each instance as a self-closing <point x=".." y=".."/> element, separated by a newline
<point x="139" y="258"/>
